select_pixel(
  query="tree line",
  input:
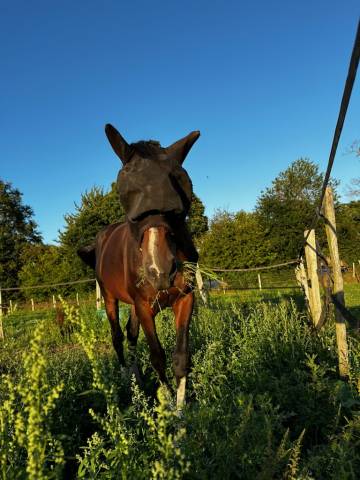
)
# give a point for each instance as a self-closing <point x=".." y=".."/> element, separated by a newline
<point x="271" y="233"/>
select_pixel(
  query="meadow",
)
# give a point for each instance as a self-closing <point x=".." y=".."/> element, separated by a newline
<point x="264" y="400"/>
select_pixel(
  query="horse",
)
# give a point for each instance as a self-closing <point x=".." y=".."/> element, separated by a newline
<point x="140" y="262"/>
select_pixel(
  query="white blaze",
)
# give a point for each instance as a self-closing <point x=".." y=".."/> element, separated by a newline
<point x="153" y="243"/>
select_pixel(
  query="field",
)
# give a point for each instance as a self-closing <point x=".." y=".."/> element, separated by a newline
<point x="264" y="398"/>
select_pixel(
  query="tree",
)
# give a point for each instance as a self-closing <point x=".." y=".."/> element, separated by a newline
<point x="17" y="229"/>
<point x="42" y="264"/>
<point x="197" y="221"/>
<point x="287" y="208"/>
<point x="235" y="240"/>
<point x="96" y="210"/>
<point x="348" y="230"/>
<point x="216" y="247"/>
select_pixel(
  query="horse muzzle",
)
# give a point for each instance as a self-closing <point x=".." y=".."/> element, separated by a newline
<point x="161" y="280"/>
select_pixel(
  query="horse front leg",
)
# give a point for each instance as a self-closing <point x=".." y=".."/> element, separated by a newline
<point x="157" y="353"/>
<point x="182" y="308"/>
<point x="132" y="329"/>
<point x="112" y="312"/>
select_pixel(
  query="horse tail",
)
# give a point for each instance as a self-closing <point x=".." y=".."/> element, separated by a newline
<point x="88" y="255"/>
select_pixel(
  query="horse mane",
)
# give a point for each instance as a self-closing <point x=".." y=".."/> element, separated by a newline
<point x="147" y="148"/>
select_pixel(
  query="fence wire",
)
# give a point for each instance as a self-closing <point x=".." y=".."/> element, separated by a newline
<point x="350" y="80"/>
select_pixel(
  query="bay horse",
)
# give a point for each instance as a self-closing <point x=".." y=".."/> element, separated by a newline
<point x="139" y="262"/>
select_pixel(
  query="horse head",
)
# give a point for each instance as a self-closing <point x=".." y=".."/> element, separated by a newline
<point x="152" y="179"/>
<point x="155" y="191"/>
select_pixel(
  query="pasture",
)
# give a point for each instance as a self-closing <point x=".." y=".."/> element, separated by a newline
<point x="264" y="399"/>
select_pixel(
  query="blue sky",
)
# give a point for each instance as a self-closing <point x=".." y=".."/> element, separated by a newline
<point x="261" y="80"/>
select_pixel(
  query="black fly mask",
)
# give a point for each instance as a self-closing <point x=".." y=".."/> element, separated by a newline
<point x="152" y="180"/>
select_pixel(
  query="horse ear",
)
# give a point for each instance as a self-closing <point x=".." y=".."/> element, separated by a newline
<point x="181" y="148"/>
<point x="118" y="143"/>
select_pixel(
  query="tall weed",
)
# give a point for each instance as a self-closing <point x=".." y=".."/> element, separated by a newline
<point x="26" y="443"/>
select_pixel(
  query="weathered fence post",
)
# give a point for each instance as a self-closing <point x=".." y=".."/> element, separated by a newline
<point x="54" y="301"/>
<point x="32" y="305"/>
<point x="313" y="277"/>
<point x="301" y="277"/>
<point x="1" y="313"/>
<point x="338" y="286"/>
<point x="77" y="299"/>
<point x="98" y="296"/>
<point x="259" y="281"/>
<point x="200" y="284"/>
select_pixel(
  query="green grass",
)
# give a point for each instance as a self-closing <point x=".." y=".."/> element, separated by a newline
<point x="352" y="298"/>
<point x="264" y="398"/>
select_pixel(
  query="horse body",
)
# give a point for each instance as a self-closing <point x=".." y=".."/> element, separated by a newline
<point x="145" y="271"/>
<point x="137" y="262"/>
<point x="124" y="270"/>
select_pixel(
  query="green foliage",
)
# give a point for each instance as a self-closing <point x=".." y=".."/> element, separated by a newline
<point x="26" y="444"/>
<point x="17" y="229"/>
<point x="287" y="208"/>
<point x="42" y="264"/>
<point x="264" y="400"/>
<point x="275" y="231"/>
<point x="235" y="241"/>
<point x="97" y="210"/>
<point x="197" y="221"/>
<point x="117" y="450"/>
<point x="46" y="264"/>
<point x="348" y="229"/>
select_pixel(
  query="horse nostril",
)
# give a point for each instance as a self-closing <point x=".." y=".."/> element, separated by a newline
<point x="152" y="272"/>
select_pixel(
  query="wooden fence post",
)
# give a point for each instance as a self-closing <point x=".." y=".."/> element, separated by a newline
<point x="200" y="284"/>
<point x="259" y="281"/>
<point x="313" y="277"/>
<point x="338" y="287"/>
<point x="54" y="301"/>
<point x="301" y="277"/>
<point x="98" y="296"/>
<point x="32" y="305"/>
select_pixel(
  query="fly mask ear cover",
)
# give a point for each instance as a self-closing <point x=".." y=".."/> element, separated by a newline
<point x="154" y="185"/>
